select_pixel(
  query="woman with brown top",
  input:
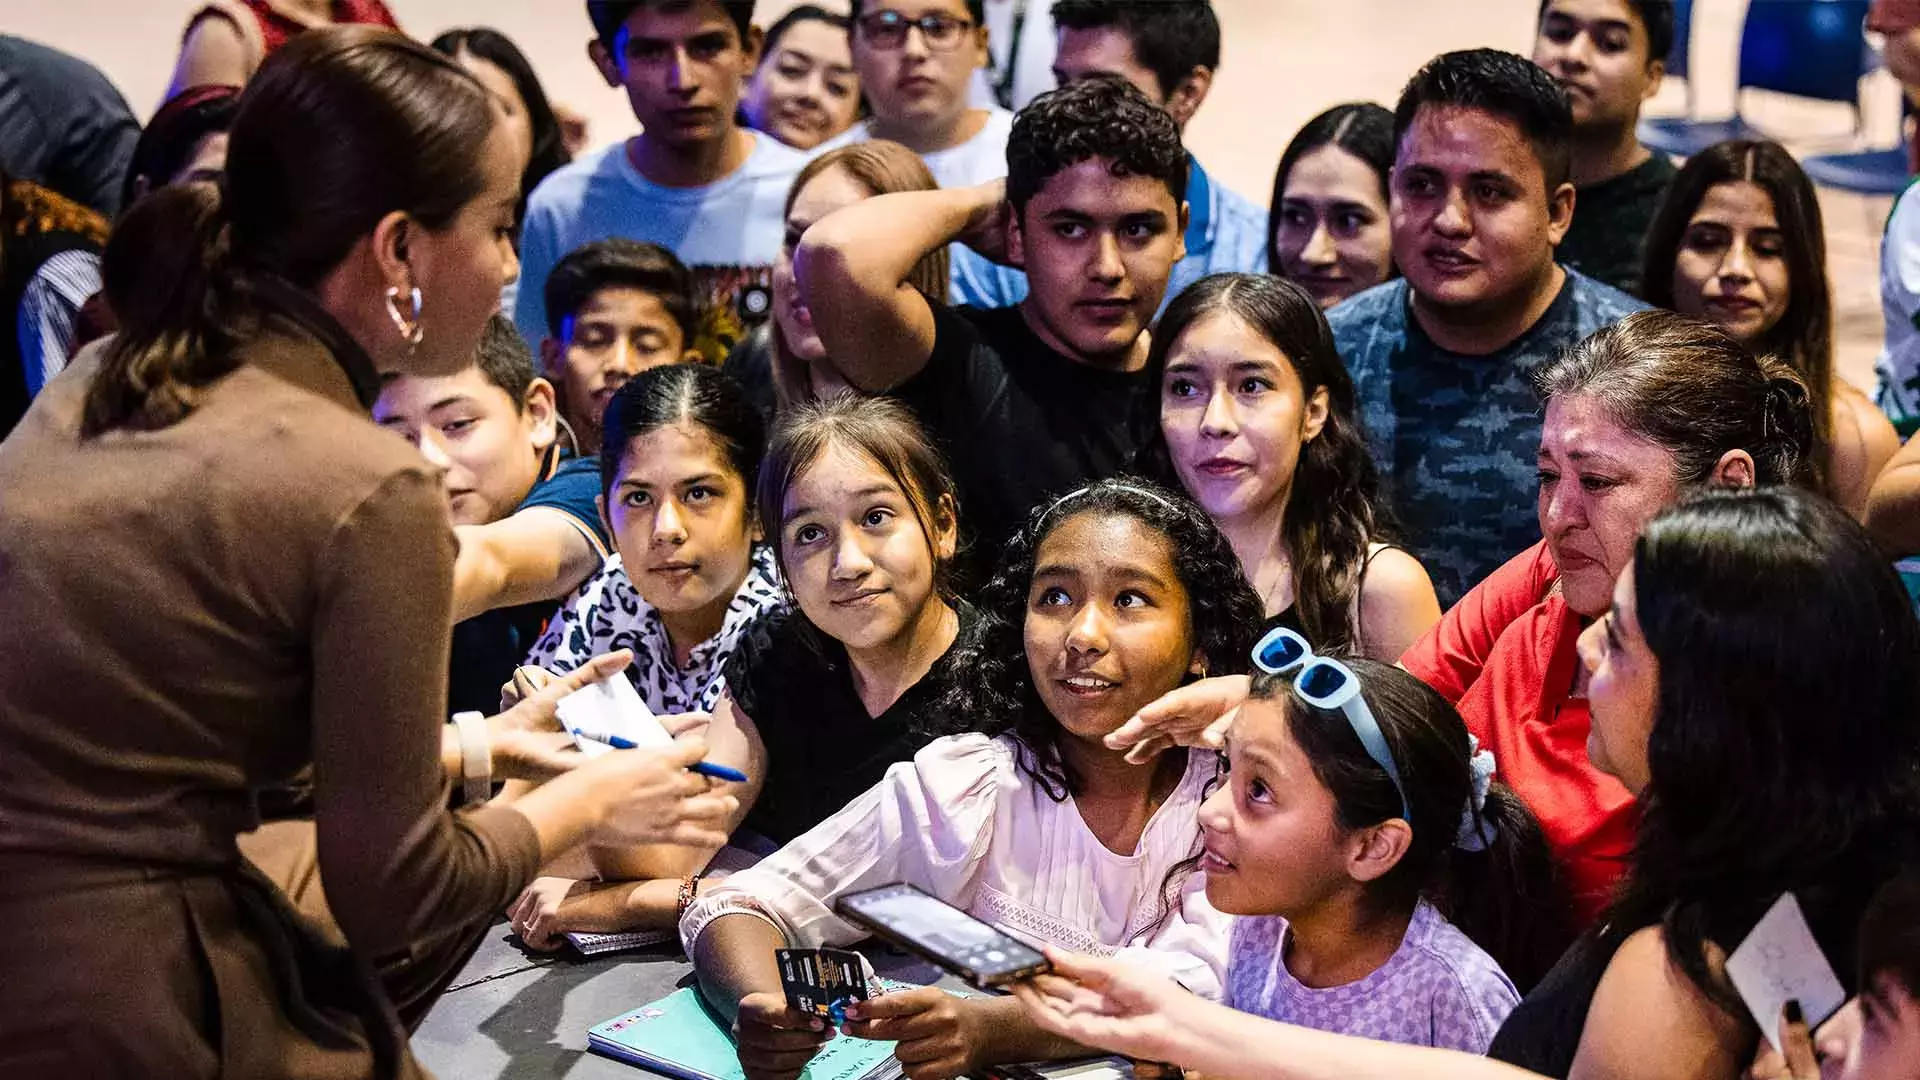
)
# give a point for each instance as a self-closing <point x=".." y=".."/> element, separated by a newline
<point x="217" y="572"/>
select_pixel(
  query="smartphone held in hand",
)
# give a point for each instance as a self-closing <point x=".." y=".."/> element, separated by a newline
<point x="982" y="954"/>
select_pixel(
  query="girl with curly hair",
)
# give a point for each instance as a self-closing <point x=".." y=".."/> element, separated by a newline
<point x="1110" y="597"/>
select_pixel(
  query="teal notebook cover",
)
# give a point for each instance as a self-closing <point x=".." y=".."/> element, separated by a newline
<point x="678" y="1036"/>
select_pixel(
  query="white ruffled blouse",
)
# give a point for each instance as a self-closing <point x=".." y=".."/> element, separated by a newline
<point x="964" y="823"/>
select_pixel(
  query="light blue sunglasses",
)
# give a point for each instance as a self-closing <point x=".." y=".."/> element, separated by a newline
<point x="1329" y="684"/>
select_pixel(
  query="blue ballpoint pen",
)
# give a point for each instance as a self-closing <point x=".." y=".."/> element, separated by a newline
<point x="704" y="768"/>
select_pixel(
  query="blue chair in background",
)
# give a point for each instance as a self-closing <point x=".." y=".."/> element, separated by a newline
<point x="1868" y="172"/>
<point x="1813" y="49"/>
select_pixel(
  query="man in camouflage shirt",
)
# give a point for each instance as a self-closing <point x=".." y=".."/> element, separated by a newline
<point x="1442" y="357"/>
<point x="1609" y="55"/>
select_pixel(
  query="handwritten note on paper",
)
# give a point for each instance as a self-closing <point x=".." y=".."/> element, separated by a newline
<point x="1780" y="962"/>
<point x="610" y="707"/>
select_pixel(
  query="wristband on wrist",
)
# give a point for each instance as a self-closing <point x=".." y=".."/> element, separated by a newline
<point x="476" y="757"/>
<point x="689" y="890"/>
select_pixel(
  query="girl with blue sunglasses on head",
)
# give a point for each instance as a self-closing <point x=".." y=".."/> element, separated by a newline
<point x="1357" y="819"/>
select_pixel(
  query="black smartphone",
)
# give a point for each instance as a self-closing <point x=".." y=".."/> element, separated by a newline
<point x="981" y="954"/>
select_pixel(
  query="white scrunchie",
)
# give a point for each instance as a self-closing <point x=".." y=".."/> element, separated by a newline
<point x="1476" y="832"/>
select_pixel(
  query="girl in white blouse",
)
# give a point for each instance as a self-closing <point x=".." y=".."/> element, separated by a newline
<point x="1114" y="595"/>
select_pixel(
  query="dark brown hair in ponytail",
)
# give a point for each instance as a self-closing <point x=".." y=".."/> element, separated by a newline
<point x="1689" y="387"/>
<point x="338" y="129"/>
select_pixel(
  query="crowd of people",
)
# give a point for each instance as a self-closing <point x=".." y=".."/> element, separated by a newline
<point x="1417" y="628"/>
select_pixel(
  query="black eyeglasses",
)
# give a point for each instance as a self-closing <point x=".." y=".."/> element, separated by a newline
<point x="888" y="30"/>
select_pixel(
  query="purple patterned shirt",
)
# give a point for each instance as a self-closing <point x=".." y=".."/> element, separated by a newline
<point x="1437" y="989"/>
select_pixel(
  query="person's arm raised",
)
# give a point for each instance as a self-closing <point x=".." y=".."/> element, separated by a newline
<point x="852" y="267"/>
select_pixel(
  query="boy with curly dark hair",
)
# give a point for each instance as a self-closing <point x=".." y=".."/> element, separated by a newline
<point x="1037" y="399"/>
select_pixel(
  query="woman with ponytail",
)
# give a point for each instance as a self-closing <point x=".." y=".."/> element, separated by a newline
<point x="1639" y="414"/>
<point x="220" y="575"/>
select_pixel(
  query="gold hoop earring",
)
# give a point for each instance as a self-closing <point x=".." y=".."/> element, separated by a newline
<point x="413" y="330"/>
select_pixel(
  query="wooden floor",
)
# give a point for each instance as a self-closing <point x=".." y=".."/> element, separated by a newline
<point x="1284" y="61"/>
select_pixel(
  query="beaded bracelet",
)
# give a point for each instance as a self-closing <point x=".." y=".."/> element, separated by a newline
<point x="689" y="889"/>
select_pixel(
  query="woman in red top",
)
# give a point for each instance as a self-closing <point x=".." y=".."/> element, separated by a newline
<point x="1637" y="414"/>
<point x="226" y="40"/>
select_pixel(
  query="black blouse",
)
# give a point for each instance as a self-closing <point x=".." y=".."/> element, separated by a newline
<point x="796" y="684"/>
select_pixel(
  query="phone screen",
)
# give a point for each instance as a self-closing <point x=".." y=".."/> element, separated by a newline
<point x="944" y="933"/>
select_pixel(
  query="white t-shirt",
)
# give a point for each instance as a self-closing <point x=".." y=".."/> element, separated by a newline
<point x="729" y="232"/>
<point x="963" y="822"/>
<point x="1898" y="367"/>
<point x="976" y="161"/>
<point x="1032" y="64"/>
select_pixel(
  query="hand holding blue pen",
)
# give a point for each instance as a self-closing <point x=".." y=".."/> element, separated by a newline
<point x="704" y="768"/>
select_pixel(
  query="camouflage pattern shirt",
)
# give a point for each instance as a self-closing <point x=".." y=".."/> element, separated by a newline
<point x="1455" y="436"/>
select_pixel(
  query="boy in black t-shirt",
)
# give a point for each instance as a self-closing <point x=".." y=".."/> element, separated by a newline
<point x="1609" y="55"/>
<point x="524" y="512"/>
<point x="1031" y="401"/>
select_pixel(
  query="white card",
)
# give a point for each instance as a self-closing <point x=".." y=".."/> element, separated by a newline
<point x="1781" y="962"/>
<point x="611" y="707"/>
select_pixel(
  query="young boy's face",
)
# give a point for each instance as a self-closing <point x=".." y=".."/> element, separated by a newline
<point x="1098" y="250"/>
<point x="915" y="82"/>
<point x="490" y="446"/>
<point x="1473" y="220"/>
<point x="1599" y="51"/>
<point x="619" y="333"/>
<point x="683" y="65"/>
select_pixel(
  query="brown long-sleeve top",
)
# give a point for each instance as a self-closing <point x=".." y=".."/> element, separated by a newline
<point x="192" y="614"/>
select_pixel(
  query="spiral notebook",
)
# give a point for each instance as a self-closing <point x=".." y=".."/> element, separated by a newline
<point x="678" y="1036"/>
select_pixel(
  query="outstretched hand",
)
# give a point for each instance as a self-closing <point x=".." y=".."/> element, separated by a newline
<point x="1108" y="1004"/>
<point x="1197" y="714"/>
<point x="528" y="742"/>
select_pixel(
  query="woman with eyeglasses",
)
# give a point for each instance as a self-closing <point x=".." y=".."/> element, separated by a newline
<point x="1753" y="685"/>
<point x="916" y="60"/>
<point x="1383" y="880"/>
<point x="1637" y="415"/>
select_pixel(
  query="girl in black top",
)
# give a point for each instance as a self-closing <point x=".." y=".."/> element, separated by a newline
<point x="861" y="512"/>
